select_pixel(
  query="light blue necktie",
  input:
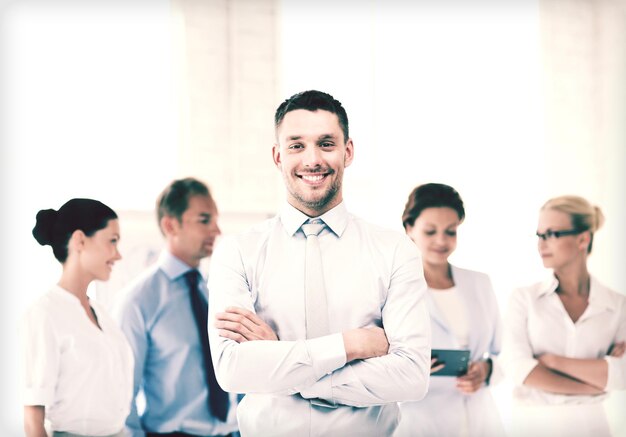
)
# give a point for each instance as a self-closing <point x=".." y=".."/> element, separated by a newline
<point x="316" y="307"/>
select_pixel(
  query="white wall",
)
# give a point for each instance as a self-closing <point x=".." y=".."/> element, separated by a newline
<point x="86" y="112"/>
<point x="469" y="94"/>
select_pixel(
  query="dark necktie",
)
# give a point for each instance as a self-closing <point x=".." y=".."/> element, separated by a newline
<point x="218" y="398"/>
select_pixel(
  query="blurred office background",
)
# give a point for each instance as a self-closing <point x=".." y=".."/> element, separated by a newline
<point x="510" y="102"/>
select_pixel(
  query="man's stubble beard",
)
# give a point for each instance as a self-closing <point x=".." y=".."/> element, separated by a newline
<point x="321" y="202"/>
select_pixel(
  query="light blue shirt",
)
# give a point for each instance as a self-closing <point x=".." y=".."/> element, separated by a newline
<point x="156" y="317"/>
<point x="372" y="276"/>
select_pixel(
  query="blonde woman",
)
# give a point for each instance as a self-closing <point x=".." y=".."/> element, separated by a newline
<point x="77" y="364"/>
<point x="564" y="337"/>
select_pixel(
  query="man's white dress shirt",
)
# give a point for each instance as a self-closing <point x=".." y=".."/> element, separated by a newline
<point x="83" y="375"/>
<point x="373" y="277"/>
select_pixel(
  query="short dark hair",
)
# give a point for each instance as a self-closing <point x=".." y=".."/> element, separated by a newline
<point x="54" y="228"/>
<point x="313" y="100"/>
<point x="431" y="196"/>
<point x="174" y="200"/>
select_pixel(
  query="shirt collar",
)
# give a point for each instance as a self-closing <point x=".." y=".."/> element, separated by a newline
<point x="172" y="266"/>
<point x="66" y="295"/>
<point x="599" y="296"/>
<point x="548" y="286"/>
<point x="336" y="219"/>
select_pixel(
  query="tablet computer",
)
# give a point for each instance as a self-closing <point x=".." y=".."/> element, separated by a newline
<point x="455" y="361"/>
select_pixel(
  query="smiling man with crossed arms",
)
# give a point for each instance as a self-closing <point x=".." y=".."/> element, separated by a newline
<point x="354" y="335"/>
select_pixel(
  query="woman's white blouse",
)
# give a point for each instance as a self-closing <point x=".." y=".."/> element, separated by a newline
<point x="538" y="323"/>
<point x="453" y="310"/>
<point x="81" y="374"/>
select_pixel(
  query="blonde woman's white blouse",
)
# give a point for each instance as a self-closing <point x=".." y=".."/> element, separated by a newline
<point x="538" y="323"/>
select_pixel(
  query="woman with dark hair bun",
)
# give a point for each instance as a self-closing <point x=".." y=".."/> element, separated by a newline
<point x="464" y="316"/>
<point x="77" y="364"/>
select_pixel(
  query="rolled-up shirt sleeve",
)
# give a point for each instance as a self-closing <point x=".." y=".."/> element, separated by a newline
<point x="517" y="358"/>
<point x="40" y="358"/>
<point x="402" y="374"/>
<point x="616" y="378"/>
<point x="261" y="366"/>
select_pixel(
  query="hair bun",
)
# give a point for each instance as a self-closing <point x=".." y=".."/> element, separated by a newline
<point x="598" y="219"/>
<point x="44" y="227"/>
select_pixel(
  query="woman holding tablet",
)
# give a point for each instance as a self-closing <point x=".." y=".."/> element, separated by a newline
<point x="564" y="337"/>
<point x="464" y="316"/>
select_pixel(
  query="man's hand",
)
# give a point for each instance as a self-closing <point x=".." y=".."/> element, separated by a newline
<point x="475" y="377"/>
<point x="363" y="343"/>
<point x="242" y="325"/>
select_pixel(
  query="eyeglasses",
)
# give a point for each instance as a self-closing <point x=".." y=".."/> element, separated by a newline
<point x="557" y="234"/>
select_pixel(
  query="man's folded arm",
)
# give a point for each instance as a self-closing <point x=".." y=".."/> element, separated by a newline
<point x="380" y="369"/>
<point x="402" y="374"/>
<point x="261" y="366"/>
<point x="317" y="368"/>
